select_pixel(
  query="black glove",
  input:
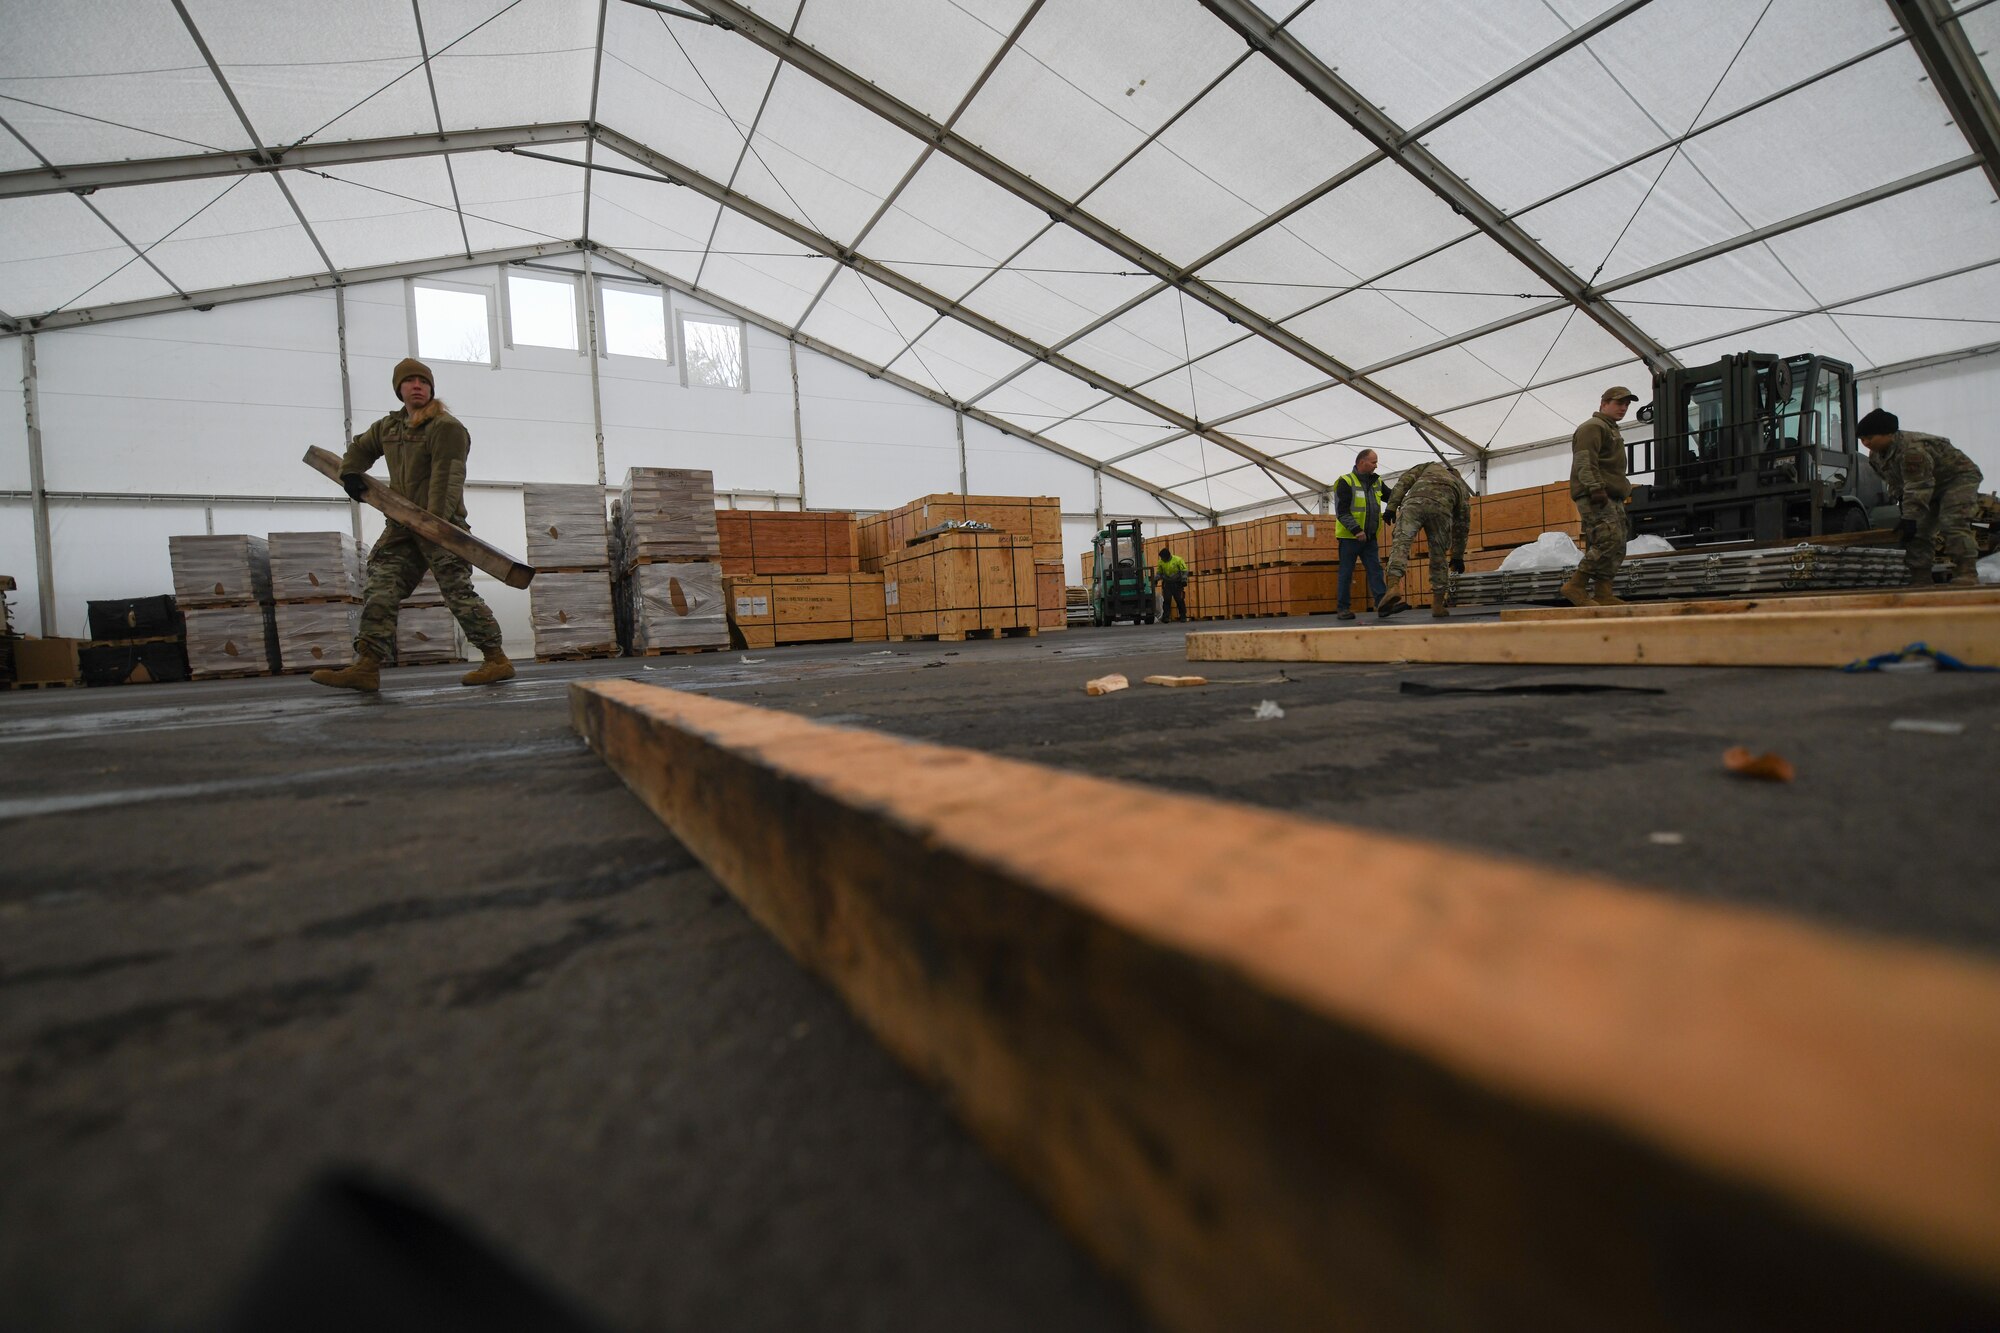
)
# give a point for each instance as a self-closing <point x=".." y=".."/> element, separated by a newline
<point x="1906" y="530"/>
<point x="1458" y="565"/>
<point x="351" y="483"/>
<point x="1389" y="516"/>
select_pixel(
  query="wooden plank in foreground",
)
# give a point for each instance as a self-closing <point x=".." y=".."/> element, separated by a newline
<point x="1768" y="639"/>
<point x="1785" y="602"/>
<point x="481" y="555"/>
<point x="1282" y="1074"/>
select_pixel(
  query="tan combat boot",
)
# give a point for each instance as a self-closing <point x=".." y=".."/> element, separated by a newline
<point x="492" y="671"/>
<point x="364" y="673"/>
<point x="1966" y="575"/>
<point x="1574" y="590"/>
<point x="1438" y="611"/>
<point x="1602" y="594"/>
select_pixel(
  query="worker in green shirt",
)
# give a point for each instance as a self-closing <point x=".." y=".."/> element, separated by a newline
<point x="1172" y="574"/>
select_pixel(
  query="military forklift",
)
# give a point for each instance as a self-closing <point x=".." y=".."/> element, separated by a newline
<point x="1753" y="448"/>
<point x="1122" y="583"/>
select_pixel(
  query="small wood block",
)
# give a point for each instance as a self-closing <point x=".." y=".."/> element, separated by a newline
<point x="1176" y="682"/>
<point x="1106" y="685"/>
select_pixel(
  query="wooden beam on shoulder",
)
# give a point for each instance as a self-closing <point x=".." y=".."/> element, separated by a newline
<point x="1766" y="638"/>
<point x="1777" y="602"/>
<point x="1281" y="1074"/>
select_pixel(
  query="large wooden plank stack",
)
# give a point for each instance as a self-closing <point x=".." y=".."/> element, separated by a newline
<point x="772" y="610"/>
<point x="134" y="641"/>
<point x="223" y="585"/>
<point x="570" y="601"/>
<point x="318" y="580"/>
<point x="961" y="585"/>
<point x="676" y="607"/>
<point x="757" y="542"/>
<point x="669" y="553"/>
<point x="1036" y="519"/>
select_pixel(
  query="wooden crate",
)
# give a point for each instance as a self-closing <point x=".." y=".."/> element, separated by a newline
<point x="758" y="542"/>
<point x="566" y="526"/>
<point x="46" y="661"/>
<point x="1089" y="559"/>
<point x="315" y="634"/>
<point x="220" y="571"/>
<point x="769" y="610"/>
<point x="676" y="606"/>
<point x="961" y="584"/>
<point x="1035" y="519"/>
<point x="427" y="636"/>
<point x="570" y="613"/>
<point x="1206" y="550"/>
<point x="1296" y="590"/>
<point x="317" y="567"/>
<point x="1281" y="539"/>
<point x="1208" y="596"/>
<point x="231" y="641"/>
<point x="1050" y="599"/>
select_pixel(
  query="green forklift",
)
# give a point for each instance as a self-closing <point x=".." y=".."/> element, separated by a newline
<point x="1122" y="585"/>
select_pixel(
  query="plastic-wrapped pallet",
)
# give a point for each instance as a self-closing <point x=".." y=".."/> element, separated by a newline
<point x="668" y="513"/>
<point x="316" y="634"/>
<point x="677" y="606"/>
<point x="571" y="614"/>
<point x="220" y="571"/>
<point x="426" y="635"/>
<point x="231" y="641"/>
<point x="566" y="527"/>
<point x="316" y="566"/>
<point x="426" y="593"/>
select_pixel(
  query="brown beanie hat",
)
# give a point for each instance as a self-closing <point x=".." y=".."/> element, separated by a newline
<point x="405" y="368"/>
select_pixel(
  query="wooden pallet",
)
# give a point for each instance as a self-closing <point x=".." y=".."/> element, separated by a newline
<point x="318" y="601"/>
<point x="230" y="675"/>
<point x="130" y="643"/>
<point x="38" y="684"/>
<point x="577" y="657"/>
<point x="679" y="652"/>
<point x="960" y="636"/>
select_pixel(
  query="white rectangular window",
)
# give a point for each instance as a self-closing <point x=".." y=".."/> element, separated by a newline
<point x="635" y="321"/>
<point x="541" y="312"/>
<point x="711" y="353"/>
<point x="452" y="322"/>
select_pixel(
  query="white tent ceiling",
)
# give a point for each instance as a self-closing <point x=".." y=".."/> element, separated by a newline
<point x="1209" y="243"/>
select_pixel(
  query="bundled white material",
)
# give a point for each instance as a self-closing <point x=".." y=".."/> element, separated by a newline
<point x="427" y="634"/>
<point x="668" y="513"/>
<point x="231" y="641"/>
<point x="566" y="527"/>
<point x="316" y="634"/>
<point x="1989" y="568"/>
<point x="571" y="614"/>
<point x="1647" y="543"/>
<point x="677" y="606"/>
<point x="1551" y="550"/>
<point x="315" y="566"/>
<point x="220" y="571"/>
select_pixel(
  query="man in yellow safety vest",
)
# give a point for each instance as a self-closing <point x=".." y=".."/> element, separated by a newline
<point x="1358" y="500"/>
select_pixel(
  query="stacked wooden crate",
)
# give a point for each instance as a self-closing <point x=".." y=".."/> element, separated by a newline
<point x="1036" y="519"/>
<point x="570" y="601"/>
<point x="762" y="541"/>
<point x="223" y="586"/>
<point x="427" y="633"/>
<point x="1277" y="565"/>
<point x="134" y="641"/>
<point x="796" y="578"/>
<point x="1033" y="521"/>
<point x="670" y="562"/>
<point x="317" y="582"/>
<point x="960" y="585"/>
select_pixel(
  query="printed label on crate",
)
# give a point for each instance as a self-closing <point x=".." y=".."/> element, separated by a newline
<point x="888" y="594"/>
<point x="1295" y="529"/>
<point x="751" y="607"/>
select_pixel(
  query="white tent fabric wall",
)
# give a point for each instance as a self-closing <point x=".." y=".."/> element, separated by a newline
<point x="1113" y="224"/>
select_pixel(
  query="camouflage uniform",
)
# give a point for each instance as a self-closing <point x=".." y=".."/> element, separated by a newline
<point x="427" y="467"/>
<point x="1937" y="487"/>
<point x="1597" y="461"/>
<point x="1431" y="498"/>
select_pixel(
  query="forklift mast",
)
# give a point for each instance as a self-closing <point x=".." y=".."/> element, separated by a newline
<point x="1753" y="447"/>
<point x="1123" y="585"/>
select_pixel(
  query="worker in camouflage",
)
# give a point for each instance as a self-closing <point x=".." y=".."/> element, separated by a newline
<point x="426" y="447"/>
<point x="1597" y="483"/>
<point x="1432" y="499"/>
<point x="1937" y="487"/>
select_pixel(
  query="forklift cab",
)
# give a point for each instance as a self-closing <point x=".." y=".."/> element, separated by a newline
<point x="1753" y="447"/>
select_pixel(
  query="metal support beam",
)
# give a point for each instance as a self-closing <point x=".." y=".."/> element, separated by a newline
<point x="1955" y="70"/>
<point x="798" y="417"/>
<point x="888" y="376"/>
<point x="257" y="291"/>
<point x="45" y="565"/>
<point x="83" y="179"/>
<point x="1097" y="481"/>
<point x="964" y="474"/>
<point x="967" y="154"/>
<point x="1368" y="120"/>
<point x="590" y="296"/>
<point x="346" y="394"/>
<point x="679" y="174"/>
<point x="1926" y="362"/>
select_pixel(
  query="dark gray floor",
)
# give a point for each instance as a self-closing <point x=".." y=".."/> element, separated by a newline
<point x="249" y="928"/>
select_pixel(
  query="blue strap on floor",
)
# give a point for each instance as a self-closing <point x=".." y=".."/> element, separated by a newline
<point x="1915" y="651"/>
